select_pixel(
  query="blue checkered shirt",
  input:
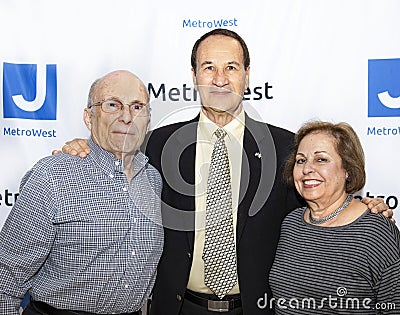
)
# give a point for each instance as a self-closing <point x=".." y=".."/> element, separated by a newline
<point x="81" y="237"/>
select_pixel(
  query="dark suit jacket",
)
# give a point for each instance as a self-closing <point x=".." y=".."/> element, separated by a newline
<point x="264" y="202"/>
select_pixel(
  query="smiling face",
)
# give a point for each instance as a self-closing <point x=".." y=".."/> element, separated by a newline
<point x="318" y="173"/>
<point x="220" y="75"/>
<point x="121" y="132"/>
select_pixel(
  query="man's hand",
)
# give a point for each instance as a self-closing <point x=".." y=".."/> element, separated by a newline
<point x="75" y="147"/>
<point x="377" y="205"/>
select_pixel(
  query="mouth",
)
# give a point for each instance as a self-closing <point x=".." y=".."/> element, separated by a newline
<point x="220" y="91"/>
<point x="311" y="183"/>
<point x="125" y="133"/>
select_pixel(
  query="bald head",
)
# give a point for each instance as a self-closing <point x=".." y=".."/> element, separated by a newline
<point x="117" y="80"/>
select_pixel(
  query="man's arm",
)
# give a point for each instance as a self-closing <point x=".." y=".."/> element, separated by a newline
<point x="80" y="147"/>
<point x="377" y="205"/>
<point x="76" y="146"/>
<point x="25" y="240"/>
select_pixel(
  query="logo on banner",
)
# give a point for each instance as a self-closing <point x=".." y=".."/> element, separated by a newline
<point x="383" y="87"/>
<point x="29" y="91"/>
<point x="212" y="23"/>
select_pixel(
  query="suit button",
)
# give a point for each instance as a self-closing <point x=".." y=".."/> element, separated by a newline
<point x="179" y="297"/>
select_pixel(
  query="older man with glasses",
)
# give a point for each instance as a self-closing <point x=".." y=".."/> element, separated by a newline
<point x="84" y="236"/>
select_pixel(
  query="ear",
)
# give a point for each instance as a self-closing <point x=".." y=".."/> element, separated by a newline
<point x="194" y="78"/>
<point x="148" y="124"/>
<point x="247" y="77"/>
<point x="87" y="118"/>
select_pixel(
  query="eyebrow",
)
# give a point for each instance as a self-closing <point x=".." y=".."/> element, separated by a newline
<point x="234" y="63"/>
<point x="229" y="63"/>
<point x="206" y="63"/>
<point x="136" y="101"/>
<point x="316" y="152"/>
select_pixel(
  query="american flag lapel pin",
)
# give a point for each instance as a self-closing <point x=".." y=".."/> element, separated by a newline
<point x="258" y="154"/>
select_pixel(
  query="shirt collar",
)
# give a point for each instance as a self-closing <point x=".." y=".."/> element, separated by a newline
<point x="110" y="164"/>
<point x="234" y="128"/>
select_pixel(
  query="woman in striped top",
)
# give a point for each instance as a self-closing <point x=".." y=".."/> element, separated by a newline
<point x="334" y="256"/>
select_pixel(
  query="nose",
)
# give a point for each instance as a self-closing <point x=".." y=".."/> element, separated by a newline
<point x="125" y="115"/>
<point x="220" y="79"/>
<point x="308" y="167"/>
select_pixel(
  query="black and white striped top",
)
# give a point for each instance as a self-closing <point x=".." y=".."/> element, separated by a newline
<point x="350" y="269"/>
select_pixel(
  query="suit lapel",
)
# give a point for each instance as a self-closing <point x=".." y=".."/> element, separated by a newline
<point x="186" y="138"/>
<point x="258" y="171"/>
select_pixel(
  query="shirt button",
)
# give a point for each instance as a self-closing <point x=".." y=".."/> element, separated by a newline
<point x="134" y="220"/>
<point x="133" y="253"/>
<point x="124" y="189"/>
<point x="111" y="176"/>
<point x="117" y="163"/>
<point x="126" y="286"/>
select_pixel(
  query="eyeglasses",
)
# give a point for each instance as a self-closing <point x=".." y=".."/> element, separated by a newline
<point x="112" y="106"/>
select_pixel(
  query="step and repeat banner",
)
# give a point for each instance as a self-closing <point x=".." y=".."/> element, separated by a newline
<point x="332" y="60"/>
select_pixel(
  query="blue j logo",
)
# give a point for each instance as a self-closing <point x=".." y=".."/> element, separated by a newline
<point x="383" y="87"/>
<point x="29" y="92"/>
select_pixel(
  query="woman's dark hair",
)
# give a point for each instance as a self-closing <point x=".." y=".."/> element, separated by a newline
<point x="347" y="144"/>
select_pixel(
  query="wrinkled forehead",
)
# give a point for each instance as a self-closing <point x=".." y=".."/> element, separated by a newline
<point x="220" y="46"/>
<point x="123" y="86"/>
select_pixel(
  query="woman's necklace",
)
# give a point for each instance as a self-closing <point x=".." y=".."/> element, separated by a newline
<point x="334" y="214"/>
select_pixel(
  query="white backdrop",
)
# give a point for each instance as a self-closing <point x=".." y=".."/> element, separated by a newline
<point x="309" y="59"/>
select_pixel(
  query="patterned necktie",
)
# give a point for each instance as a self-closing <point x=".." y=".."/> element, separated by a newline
<point x="219" y="253"/>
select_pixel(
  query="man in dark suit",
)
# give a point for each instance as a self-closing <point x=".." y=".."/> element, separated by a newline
<point x="259" y="199"/>
<point x="220" y="69"/>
